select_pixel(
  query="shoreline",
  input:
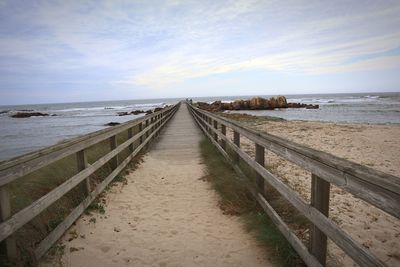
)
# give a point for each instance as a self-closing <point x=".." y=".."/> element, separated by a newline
<point x="251" y="113"/>
<point x="372" y="145"/>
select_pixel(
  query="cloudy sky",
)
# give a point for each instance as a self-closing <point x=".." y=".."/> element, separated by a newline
<point x="66" y="51"/>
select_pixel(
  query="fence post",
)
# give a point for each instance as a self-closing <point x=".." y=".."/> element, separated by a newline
<point x="130" y="135"/>
<point x="5" y="213"/>
<point x="236" y="141"/>
<point x="113" y="145"/>
<point x="260" y="159"/>
<point x="215" y="127"/>
<point x="147" y="132"/>
<point x="82" y="164"/>
<point x="320" y="190"/>
<point x="140" y="130"/>
<point x="223" y="131"/>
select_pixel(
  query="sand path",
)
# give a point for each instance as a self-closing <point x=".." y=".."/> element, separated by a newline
<point x="166" y="215"/>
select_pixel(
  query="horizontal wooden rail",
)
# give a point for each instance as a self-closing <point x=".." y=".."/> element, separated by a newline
<point x="377" y="188"/>
<point x="296" y="243"/>
<point x="18" y="167"/>
<point x="314" y="212"/>
<point x="25" y="164"/>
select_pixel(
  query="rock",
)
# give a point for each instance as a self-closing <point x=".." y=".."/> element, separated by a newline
<point x="256" y="103"/>
<point x="312" y="106"/>
<point x="123" y="113"/>
<point x="54" y="115"/>
<point x="137" y="112"/>
<point x="216" y="106"/>
<point x="157" y="109"/>
<point x="301" y="105"/>
<point x="116" y="229"/>
<point x="282" y="102"/>
<point x="246" y="104"/>
<point x="28" y="114"/>
<point x="4" y="111"/>
<point x="149" y="112"/>
<point x="237" y="104"/>
<point x="226" y="106"/>
<point x="112" y="123"/>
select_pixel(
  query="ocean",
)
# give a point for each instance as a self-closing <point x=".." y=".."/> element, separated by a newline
<point x="22" y="135"/>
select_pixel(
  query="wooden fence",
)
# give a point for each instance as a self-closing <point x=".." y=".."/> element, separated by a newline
<point x="149" y="126"/>
<point x="378" y="189"/>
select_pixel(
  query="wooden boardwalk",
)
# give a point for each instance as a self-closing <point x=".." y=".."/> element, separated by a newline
<point x="179" y="140"/>
<point x="166" y="215"/>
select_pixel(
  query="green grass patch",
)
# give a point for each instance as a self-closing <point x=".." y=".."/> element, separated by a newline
<point x="237" y="200"/>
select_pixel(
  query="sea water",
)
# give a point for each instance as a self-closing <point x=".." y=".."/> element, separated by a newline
<point x="373" y="108"/>
<point x="23" y="135"/>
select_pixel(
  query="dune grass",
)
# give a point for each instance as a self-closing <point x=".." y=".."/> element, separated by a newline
<point x="237" y="200"/>
<point x="31" y="187"/>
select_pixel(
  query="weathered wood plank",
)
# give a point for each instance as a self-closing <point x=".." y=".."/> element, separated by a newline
<point x="295" y="242"/>
<point x="5" y="213"/>
<point x="223" y="131"/>
<point x="140" y="130"/>
<point x="260" y="159"/>
<point x="320" y="190"/>
<point x="113" y="145"/>
<point x="356" y="251"/>
<point x="215" y="127"/>
<point x="74" y="215"/>
<point x="82" y="164"/>
<point x="236" y="142"/>
<point x="382" y="191"/>
<point x="28" y="213"/>
<point x="23" y="165"/>
<point x="130" y="134"/>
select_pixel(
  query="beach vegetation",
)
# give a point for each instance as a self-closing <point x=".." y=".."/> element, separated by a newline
<point x="236" y="200"/>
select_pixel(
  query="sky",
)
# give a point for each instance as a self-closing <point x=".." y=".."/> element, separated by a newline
<point x="71" y="51"/>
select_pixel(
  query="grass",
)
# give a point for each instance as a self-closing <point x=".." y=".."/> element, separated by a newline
<point x="237" y="200"/>
<point x="31" y="187"/>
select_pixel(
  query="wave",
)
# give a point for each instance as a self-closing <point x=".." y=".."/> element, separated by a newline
<point x="310" y="100"/>
<point x="372" y="96"/>
<point x="80" y="109"/>
<point x="150" y="105"/>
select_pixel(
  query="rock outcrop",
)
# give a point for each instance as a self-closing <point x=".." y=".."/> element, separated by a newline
<point x="135" y="112"/>
<point x="112" y="123"/>
<point x="28" y="114"/>
<point x="255" y="103"/>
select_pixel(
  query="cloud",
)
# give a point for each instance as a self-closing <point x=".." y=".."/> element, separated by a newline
<point x="159" y="44"/>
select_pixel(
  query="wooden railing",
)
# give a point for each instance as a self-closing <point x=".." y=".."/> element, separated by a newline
<point x="378" y="189"/>
<point x="149" y="126"/>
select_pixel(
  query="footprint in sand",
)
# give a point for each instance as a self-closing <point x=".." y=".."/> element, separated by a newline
<point x="105" y="249"/>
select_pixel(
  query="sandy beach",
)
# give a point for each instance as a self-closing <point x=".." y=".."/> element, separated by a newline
<point x="166" y="214"/>
<point x="376" y="146"/>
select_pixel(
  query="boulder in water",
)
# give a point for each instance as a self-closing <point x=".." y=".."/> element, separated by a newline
<point x="137" y="112"/>
<point x="28" y="114"/>
<point x="112" y="123"/>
